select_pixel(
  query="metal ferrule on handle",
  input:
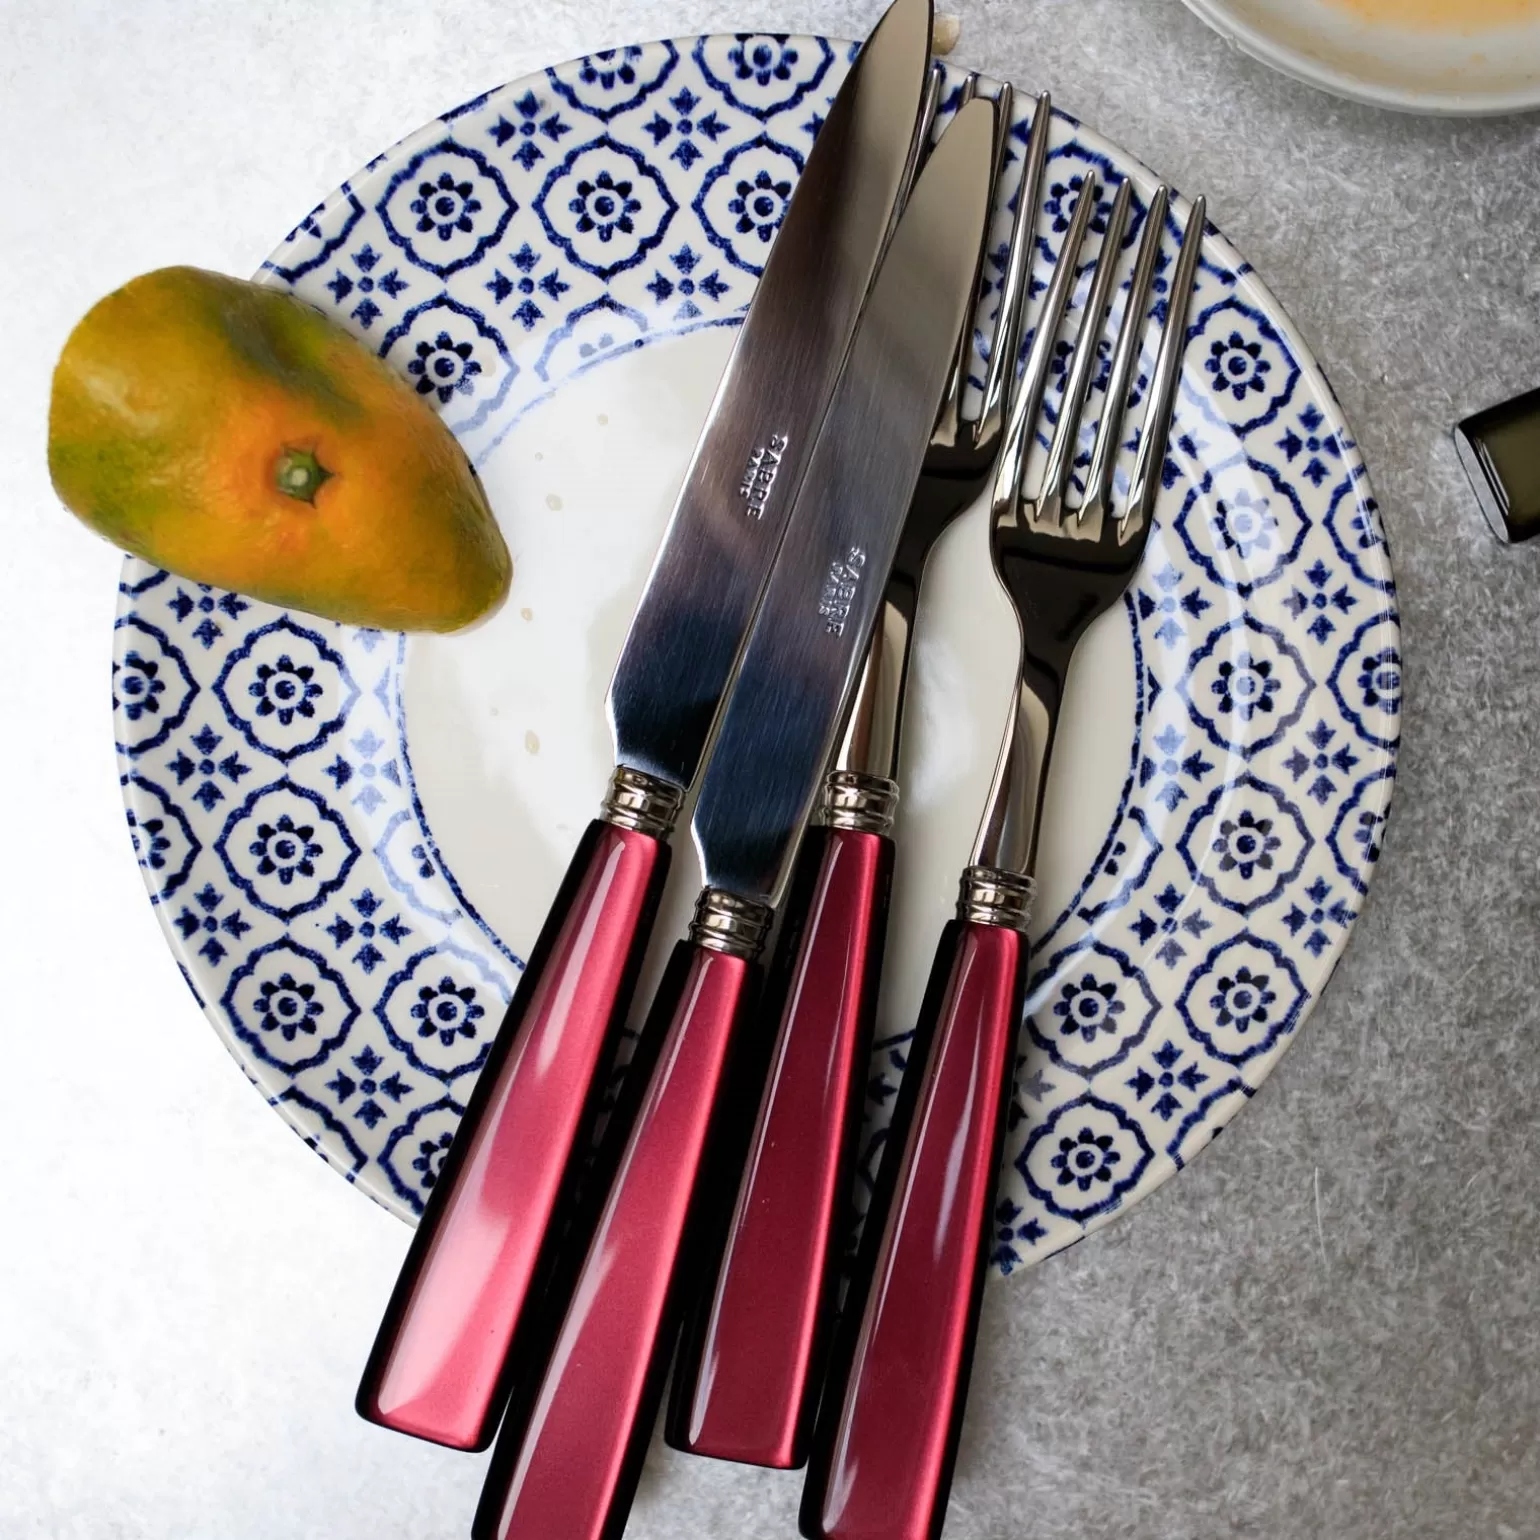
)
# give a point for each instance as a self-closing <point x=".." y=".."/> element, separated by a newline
<point x="863" y="804"/>
<point x="734" y="926"/>
<point x="570" y="1452"/>
<point x="988" y="895"/>
<point x="466" y="1314"/>
<point x="641" y="802"/>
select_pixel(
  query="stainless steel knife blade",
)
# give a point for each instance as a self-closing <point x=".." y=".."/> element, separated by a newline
<point x="731" y="512"/>
<point x="809" y="638"/>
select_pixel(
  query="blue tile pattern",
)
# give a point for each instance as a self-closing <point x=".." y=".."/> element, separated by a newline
<point x="631" y="196"/>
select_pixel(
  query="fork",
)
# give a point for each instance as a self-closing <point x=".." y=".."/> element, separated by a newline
<point x="749" y="1372"/>
<point x="887" y="1432"/>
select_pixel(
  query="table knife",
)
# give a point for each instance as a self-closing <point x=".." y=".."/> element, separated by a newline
<point x="568" y="1457"/>
<point x="466" y="1313"/>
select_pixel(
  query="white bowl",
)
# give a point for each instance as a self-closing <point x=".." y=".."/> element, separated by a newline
<point x="1475" y="71"/>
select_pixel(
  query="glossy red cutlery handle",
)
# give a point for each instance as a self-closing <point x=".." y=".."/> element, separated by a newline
<point x="751" y="1358"/>
<point x="887" y="1433"/>
<point x="466" y="1306"/>
<point x="568" y="1458"/>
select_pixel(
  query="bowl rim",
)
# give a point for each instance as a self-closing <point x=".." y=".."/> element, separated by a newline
<point x="1252" y="40"/>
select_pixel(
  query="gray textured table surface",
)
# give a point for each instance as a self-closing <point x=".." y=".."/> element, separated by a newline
<point x="1326" y="1328"/>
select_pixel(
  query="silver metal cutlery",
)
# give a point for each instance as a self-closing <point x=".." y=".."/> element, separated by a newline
<point x="467" y="1315"/>
<point x="569" y="1455"/>
<point x="548" y="1282"/>
<point x="750" y="1365"/>
<point x="888" y="1427"/>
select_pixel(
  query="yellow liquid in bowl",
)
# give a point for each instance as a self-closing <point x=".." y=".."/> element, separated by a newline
<point x="1464" y="16"/>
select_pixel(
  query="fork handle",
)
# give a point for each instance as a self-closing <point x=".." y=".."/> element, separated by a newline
<point x="569" y="1454"/>
<point x="467" y="1304"/>
<point x="751" y="1358"/>
<point x="887" y="1433"/>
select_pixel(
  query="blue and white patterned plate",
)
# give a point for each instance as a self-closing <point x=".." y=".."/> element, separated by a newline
<point x="350" y="837"/>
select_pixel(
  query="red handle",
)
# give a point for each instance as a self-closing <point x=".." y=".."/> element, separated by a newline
<point x="465" y="1310"/>
<point x="887" y="1432"/>
<point x="568" y="1458"/>
<point x="751" y="1360"/>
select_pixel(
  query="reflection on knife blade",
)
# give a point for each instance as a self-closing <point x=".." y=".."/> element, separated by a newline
<point x="809" y="639"/>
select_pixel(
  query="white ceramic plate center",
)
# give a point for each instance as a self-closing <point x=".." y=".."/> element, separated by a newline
<point x="505" y="724"/>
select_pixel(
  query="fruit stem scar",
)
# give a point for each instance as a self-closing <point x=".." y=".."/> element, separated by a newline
<point x="299" y="474"/>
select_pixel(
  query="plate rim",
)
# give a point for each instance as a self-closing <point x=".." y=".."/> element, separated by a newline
<point x="1376" y="561"/>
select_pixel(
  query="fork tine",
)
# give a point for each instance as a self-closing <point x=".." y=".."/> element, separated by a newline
<point x="1005" y="107"/>
<point x="1104" y="454"/>
<point x="1151" y="455"/>
<point x="948" y="419"/>
<point x="1019" y="434"/>
<point x="1000" y="378"/>
<point x="1077" y="384"/>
